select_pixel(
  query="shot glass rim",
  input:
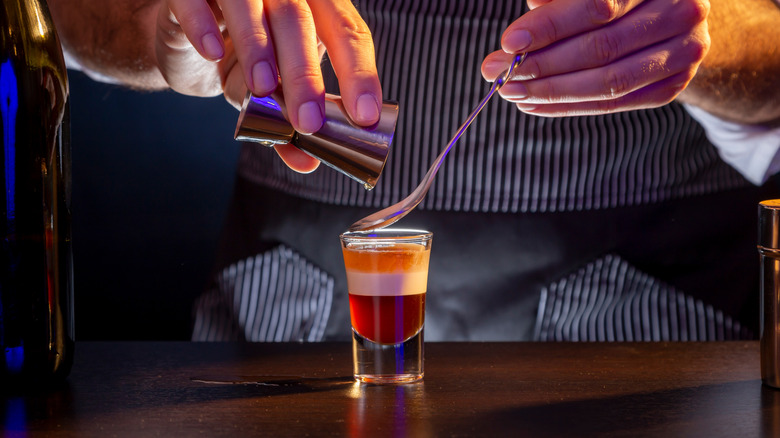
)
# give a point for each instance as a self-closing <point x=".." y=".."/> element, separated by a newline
<point x="387" y="235"/>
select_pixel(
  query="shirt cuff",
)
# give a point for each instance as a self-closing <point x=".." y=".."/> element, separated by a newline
<point x="754" y="151"/>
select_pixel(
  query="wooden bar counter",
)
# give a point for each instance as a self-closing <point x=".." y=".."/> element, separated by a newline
<point x="183" y="389"/>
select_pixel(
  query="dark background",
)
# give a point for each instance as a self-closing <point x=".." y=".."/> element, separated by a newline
<point x="152" y="176"/>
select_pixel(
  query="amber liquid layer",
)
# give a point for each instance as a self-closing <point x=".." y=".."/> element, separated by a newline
<point x="387" y="319"/>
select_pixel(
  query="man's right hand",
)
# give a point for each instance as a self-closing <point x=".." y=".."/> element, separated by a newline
<point x="208" y="47"/>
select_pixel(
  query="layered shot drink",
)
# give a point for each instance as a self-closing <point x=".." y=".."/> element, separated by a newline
<point x="387" y="277"/>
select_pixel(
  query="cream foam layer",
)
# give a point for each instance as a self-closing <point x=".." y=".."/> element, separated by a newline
<point x="387" y="284"/>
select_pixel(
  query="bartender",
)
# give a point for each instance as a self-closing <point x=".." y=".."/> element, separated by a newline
<point x="609" y="196"/>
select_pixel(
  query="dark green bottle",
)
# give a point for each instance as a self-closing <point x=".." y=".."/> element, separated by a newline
<point x="36" y="268"/>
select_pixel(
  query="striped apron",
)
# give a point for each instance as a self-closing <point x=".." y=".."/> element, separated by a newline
<point x="625" y="226"/>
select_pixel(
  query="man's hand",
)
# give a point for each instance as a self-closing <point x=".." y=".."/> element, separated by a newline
<point x="601" y="56"/>
<point x="262" y="41"/>
<point x="208" y="47"/>
<point x="205" y="47"/>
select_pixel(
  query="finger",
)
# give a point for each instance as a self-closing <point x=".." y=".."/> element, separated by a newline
<point x="249" y="33"/>
<point x="235" y="90"/>
<point x="295" y="44"/>
<point x="234" y="86"/>
<point x="199" y="23"/>
<point x="496" y="63"/>
<point x="679" y="55"/>
<point x="296" y="159"/>
<point x="560" y="19"/>
<point x="173" y="50"/>
<point x="533" y="4"/>
<point x="652" y="96"/>
<point x="351" y="49"/>
<point x="646" y="25"/>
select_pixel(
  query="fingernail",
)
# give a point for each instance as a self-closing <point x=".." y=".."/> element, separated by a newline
<point x="309" y="118"/>
<point x="516" y="41"/>
<point x="263" y="78"/>
<point x="496" y="67"/>
<point x="367" y="109"/>
<point x="526" y="107"/>
<point x="212" y="47"/>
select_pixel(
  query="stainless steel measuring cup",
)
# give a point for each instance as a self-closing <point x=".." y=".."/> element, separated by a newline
<point x="356" y="151"/>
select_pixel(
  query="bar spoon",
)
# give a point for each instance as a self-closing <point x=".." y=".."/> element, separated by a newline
<point x="395" y="212"/>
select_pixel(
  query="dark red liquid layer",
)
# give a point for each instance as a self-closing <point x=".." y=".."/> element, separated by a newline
<point x="387" y="319"/>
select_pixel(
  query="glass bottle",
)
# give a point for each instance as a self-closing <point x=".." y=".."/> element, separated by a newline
<point x="36" y="269"/>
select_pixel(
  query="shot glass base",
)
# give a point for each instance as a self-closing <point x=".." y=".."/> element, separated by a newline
<point x="396" y="379"/>
<point x="387" y="364"/>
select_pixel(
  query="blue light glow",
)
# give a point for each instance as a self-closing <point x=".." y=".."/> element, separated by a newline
<point x="14" y="359"/>
<point x="266" y="102"/>
<point x="9" y="104"/>
<point x="15" y="416"/>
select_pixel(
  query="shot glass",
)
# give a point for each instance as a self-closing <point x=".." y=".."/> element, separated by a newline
<point x="387" y="278"/>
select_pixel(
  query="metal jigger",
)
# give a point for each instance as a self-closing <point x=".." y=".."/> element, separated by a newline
<point x="356" y="151"/>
